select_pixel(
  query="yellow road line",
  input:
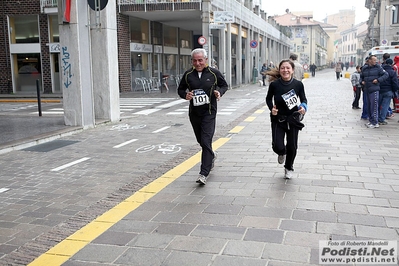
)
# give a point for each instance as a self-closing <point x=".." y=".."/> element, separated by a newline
<point x="250" y="119"/>
<point x="64" y="250"/>
<point x="236" y="129"/>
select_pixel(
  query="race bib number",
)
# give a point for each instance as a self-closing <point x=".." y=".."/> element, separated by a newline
<point x="200" y="98"/>
<point x="291" y="99"/>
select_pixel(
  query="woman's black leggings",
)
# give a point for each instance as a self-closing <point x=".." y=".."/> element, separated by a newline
<point x="279" y="131"/>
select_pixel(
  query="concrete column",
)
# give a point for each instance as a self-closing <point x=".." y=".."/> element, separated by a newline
<point x="248" y="58"/>
<point x="75" y="72"/>
<point x="239" y="55"/>
<point x="104" y="50"/>
<point x="206" y="8"/>
<point x="228" y="55"/>
<point x="222" y="50"/>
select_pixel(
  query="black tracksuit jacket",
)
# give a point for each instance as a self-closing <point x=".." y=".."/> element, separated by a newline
<point x="211" y="79"/>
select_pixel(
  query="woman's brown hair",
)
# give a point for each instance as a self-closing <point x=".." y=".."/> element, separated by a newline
<point x="274" y="73"/>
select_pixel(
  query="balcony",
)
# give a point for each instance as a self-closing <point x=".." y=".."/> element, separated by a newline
<point x="158" y="5"/>
<point x="49" y="6"/>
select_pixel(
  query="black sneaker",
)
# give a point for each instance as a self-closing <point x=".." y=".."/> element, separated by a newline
<point x="281" y="159"/>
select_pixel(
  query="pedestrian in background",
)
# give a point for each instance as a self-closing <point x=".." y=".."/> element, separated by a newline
<point x="313" y="68"/>
<point x="365" y="109"/>
<point x="298" y="72"/>
<point x="388" y="88"/>
<point x="338" y="70"/>
<point x="357" y="88"/>
<point x="385" y="56"/>
<point x="263" y="71"/>
<point x="287" y="103"/>
<point x="371" y="77"/>
<point x="203" y="86"/>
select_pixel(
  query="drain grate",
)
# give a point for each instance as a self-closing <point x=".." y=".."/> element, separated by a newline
<point x="49" y="146"/>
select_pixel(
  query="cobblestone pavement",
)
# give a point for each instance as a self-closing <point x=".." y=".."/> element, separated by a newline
<point x="345" y="188"/>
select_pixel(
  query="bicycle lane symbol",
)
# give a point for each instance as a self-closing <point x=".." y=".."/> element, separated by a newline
<point x="165" y="148"/>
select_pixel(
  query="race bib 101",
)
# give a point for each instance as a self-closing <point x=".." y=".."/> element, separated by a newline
<point x="200" y="98"/>
<point x="291" y="99"/>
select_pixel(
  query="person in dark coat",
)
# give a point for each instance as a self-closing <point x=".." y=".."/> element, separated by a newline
<point x="312" y="69"/>
<point x="387" y="89"/>
<point x="263" y="71"/>
<point x="371" y="77"/>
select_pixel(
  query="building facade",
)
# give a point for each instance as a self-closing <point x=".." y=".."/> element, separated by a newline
<point x="309" y="40"/>
<point x="351" y="45"/>
<point x="155" y="39"/>
<point x="383" y="23"/>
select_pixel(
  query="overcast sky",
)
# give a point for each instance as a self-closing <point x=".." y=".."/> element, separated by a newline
<point x="320" y="8"/>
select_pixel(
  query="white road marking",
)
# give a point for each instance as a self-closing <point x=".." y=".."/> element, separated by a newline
<point x="167" y="105"/>
<point x="147" y="111"/>
<point x="70" y="164"/>
<point x="4" y="189"/>
<point x="161" y="129"/>
<point x="176" y="113"/>
<point x="124" y="143"/>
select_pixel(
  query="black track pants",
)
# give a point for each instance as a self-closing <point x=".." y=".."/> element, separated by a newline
<point x="204" y="129"/>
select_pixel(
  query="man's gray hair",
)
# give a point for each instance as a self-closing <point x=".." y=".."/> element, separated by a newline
<point x="199" y="51"/>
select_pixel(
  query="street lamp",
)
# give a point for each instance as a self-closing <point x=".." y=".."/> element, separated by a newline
<point x="393" y="8"/>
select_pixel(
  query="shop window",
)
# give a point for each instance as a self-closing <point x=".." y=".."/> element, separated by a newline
<point x="185" y="63"/>
<point x="139" y="30"/>
<point x="24" y="29"/>
<point x="170" y="34"/>
<point x="156" y="30"/>
<point x="170" y="64"/>
<point x="185" y="39"/>
<point x="27" y="71"/>
<point x="54" y="29"/>
<point x="140" y="65"/>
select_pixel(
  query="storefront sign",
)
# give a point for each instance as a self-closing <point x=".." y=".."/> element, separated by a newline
<point x="140" y="47"/>
<point x="223" y="16"/>
<point x="54" y="47"/>
<point x="158" y="49"/>
<point x="214" y="26"/>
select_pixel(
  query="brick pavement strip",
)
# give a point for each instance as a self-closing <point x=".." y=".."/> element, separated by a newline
<point x="247" y="214"/>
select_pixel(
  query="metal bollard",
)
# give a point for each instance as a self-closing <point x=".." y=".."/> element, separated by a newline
<point x="39" y="103"/>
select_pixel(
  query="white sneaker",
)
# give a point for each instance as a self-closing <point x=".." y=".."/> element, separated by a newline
<point x="201" y="180"/>
<point x="281" y="159"/>
<point x="288" y="173"/>
<point x="369" y="125"/>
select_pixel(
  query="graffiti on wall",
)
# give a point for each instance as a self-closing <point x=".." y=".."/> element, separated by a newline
<point x="66" y="67"/>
